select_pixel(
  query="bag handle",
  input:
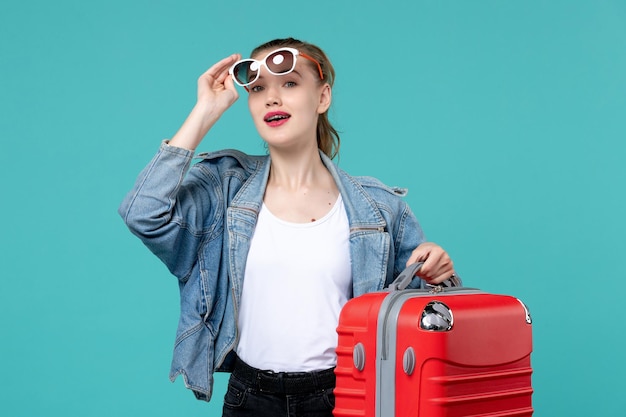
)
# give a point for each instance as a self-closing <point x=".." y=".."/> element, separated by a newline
<point x="408" y="275"/>
<point x="405" y="278"/>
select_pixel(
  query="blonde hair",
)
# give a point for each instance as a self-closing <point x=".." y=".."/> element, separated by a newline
<point x="328" y="140"/>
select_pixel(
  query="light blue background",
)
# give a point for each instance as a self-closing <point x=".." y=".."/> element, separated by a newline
<point x="506" y="120"/>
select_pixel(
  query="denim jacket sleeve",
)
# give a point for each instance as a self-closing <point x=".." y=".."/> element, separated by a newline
<point x="170" y="215"/>
<point x="409" y="235"/>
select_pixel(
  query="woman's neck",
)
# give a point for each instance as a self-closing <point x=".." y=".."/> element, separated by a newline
<point x="294" y="170"/>
<point x="300" y="188"/>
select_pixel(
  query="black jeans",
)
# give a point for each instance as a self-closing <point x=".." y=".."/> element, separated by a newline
<point x="255" y="393"/>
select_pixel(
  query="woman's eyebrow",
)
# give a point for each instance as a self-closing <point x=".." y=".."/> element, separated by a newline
<point x="261" y="76"/>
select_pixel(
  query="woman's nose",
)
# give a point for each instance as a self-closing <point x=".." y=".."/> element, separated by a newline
<point x="272" y="98"/>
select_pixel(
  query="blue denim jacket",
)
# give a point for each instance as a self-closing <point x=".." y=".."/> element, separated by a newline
<point x="199" y="221"/>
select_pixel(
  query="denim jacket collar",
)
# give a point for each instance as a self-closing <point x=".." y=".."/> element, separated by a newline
<point x="362" y="210"/>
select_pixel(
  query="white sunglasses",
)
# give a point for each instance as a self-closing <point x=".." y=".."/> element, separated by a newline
<point x="279" y="62"/>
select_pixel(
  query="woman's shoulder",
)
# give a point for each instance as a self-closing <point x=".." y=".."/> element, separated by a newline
<point x="231" y="159"/>
<point x="375" y="185"/>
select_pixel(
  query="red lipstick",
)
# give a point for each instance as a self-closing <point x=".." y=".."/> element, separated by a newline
<point x="276" y="118"/>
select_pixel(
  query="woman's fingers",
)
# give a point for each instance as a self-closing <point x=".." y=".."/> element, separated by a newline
<point x="215" y="86"/>
<point x="438" y="265"/>
<point x="219" y="70"/>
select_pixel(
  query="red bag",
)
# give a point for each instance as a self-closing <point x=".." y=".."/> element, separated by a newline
<point x="450" y="352"/>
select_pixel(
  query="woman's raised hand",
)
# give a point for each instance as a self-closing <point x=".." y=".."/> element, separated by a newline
<point x="216" y="93"/>
<point x="216" y="89"/>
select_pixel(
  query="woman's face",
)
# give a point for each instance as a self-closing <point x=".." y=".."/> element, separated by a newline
<point x="285" y="108"/>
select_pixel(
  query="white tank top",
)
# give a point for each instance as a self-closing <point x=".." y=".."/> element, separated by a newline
<point x="297" y="279"/>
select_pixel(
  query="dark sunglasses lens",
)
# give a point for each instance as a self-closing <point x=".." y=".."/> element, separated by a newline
<point x="280" y="62"/>
<point x="244" y="72"/>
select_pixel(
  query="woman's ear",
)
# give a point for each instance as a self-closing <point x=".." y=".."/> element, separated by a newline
<point x="326" y="97"/>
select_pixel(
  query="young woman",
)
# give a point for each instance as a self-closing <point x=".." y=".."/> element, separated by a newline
<point x="267" y="249"/>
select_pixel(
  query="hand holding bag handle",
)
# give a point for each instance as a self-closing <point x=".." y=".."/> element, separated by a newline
<point x="407" y="276"/>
